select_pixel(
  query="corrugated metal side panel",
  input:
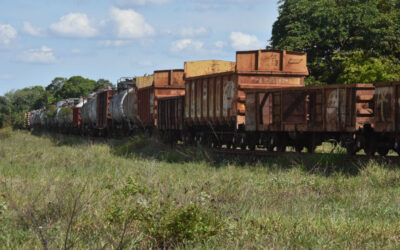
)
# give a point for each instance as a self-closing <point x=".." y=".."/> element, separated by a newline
<point x="212" y="99"/>
<point x="294" y="107"/>
<point x="251" y="112"/>
<point x="385" y="95"/>
<point x="200" y="68"/>
<point x="187" y="101"/>
<point x="171" y="115"/>
<point x="163" y="93"/>
<point x="146" y="107"/>
<point x="348" y="107"/>
<point x="168" y="78"/>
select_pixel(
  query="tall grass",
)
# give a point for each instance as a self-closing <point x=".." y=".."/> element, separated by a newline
<point x="70" y="192"/>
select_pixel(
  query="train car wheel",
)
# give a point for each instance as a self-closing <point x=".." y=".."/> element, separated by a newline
<point x="311" y="149"/>
<point x="370" y="149"/>
<point x="298" y="148"/>
<point x="383" y="151"/>
<point x="270" y="143"/>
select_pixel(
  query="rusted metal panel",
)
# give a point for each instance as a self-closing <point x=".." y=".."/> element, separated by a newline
<point x="205" y="100"/>
<point x="164" y="78"/>
<point x="294" y="107"/>
<point x="77" y="118"/>
<point x="145" y="98"/>
<point x="171" y="115"/>
<point x="251" y="112"/>
<point x="187" y="101"/>
<point x="209" y="67"/>
<point x="103" y="116"/>
<point x="167" y="83"/>
<point x="199" y="92"/>
<point x="387" y="107"/>
<point x="281" y="62"/>
<point x="334" y="108"/>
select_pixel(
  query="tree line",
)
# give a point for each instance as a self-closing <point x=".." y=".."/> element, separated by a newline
<point x="15" y="103"/>
<point x="347" y="41"/>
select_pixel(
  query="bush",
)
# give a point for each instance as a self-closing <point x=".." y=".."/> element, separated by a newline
<point x="135" y="208"/>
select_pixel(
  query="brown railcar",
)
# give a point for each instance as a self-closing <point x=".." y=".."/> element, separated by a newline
<point x="219" y="99"/>
<point x="166" y="83"/>
<point x="305" y="117"/>
<point x="215" y="103"/>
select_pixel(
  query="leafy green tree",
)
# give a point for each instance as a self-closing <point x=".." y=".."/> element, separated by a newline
<point x="103" y="83"/>
<point x="75" y="87"/>
<point x="5" y="109"/>
<point x="360" y="67"/>
<point x="26" y="99"/>
<point x="323" y="28"/>
<point x="56" y="84"/>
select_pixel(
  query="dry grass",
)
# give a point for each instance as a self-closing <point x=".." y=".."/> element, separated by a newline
<point x="67" y="192"/>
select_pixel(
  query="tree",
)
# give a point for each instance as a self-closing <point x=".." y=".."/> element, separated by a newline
<point x="4" y="111"/>
<point x="359" y="67"/>
<point x="26" y="99"/>
<point x="325" y="28"/>
<point x="102" y="83"/>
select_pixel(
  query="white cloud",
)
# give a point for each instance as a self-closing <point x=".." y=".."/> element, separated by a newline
<point x="241" y="41"/>
<point x="186" y="44"/>
<point x="74" y="25"/>
<point x="130" y="24"/>
<point x="42" y="55"/>
<point x="7" y="34"/>
<point x="140" y="2"/>
<point x="192" y="32"/>
<point x="113" y="43"/>
<point x="220" y="44"/>
<point x="29" y="29"/>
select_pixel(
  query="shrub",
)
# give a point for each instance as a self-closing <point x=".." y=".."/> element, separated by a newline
<point x="135" y="208"/>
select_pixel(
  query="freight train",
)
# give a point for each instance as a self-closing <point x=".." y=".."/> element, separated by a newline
<point x="259" y="101"/>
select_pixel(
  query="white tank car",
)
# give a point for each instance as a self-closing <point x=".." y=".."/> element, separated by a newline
<point x="123" y="106"/>
<point x="88" y="112"/>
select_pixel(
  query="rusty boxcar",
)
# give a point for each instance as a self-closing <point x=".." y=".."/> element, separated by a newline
<point x="305" y="117"/>
<point x="165" y="83"/>
<point x="215" y="103"/>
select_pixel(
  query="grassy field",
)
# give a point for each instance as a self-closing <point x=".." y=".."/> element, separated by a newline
<point x="73" y="193"/>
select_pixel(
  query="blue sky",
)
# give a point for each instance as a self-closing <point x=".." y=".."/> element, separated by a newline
<point x="44" y="39"/>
